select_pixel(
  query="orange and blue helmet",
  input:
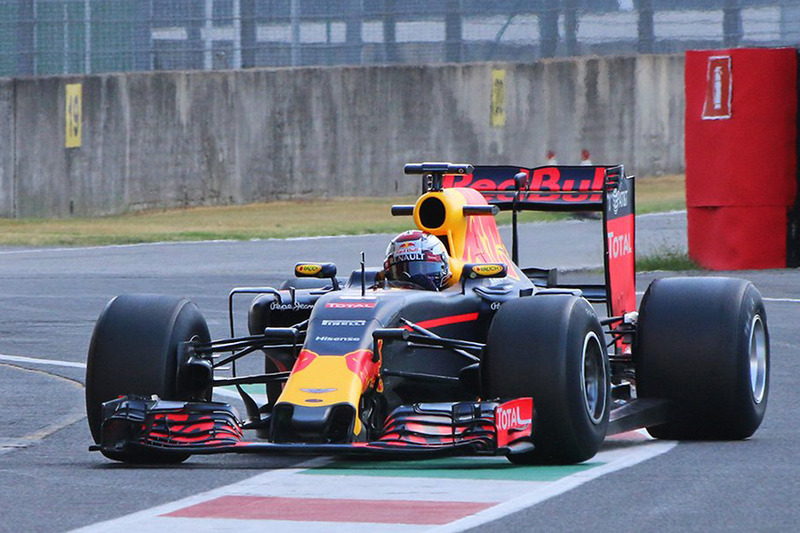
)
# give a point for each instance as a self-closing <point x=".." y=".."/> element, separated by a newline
<point x="417" y="257"/>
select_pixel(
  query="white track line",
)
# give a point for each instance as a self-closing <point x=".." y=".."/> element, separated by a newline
<point x="7" y="445"/>
<point x="55" y="362"/>
<point x="288" y="482"/>
<point x="559" y="487"/>
<point x="766" y="299"/>
<point x="271" y="477"/>
<point x="662" y="214"/>
<point x="177" y="243"/>
<point x="37" y="361"/>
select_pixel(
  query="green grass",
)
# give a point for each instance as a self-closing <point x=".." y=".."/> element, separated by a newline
<point x="661" y="194"/>
<point x="666" y="260"/>
<point x="338" y="216"/>
<point x="341" y="216"/>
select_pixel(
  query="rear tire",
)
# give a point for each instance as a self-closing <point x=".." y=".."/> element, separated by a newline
<point x="703" y="344"/>
<point x="134" y="350"/>
<point x="551" y="348"/>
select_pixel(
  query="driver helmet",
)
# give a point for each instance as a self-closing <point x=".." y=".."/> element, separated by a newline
<point x="417" y="257"/>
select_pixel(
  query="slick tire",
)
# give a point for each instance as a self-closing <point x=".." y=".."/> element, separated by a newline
<point x="134" y="350"/>
<point x="551" y="348"/>
<point x="703" y="344"/>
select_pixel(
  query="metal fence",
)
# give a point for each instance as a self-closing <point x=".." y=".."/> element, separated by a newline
<point x="43" y="37"/>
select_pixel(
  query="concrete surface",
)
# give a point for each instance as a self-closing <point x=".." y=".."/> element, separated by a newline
<point x="51" y="298"/>
<point x="171" y="139"/>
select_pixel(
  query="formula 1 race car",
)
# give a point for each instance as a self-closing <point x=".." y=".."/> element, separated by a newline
<point x="499" y="360"/>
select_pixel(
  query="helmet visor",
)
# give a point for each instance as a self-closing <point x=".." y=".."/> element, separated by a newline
<point x="426" y="274"/>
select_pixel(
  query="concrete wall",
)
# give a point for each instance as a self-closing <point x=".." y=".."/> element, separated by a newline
<point x="199" y="138"/>
<point x="7" y="149"/>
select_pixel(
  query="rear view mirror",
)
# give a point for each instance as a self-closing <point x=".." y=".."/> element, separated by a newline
<point x="484" y="270"/>
<point x="315" y="270"/>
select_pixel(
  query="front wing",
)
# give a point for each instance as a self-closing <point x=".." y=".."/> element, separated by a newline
<point x="419" y="430"/>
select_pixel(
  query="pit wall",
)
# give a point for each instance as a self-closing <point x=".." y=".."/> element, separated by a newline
<point x="170" y="139"/>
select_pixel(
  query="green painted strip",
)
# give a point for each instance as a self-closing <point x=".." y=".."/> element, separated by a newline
<point x="479" y="468"/>
<point x="249" y="389"/>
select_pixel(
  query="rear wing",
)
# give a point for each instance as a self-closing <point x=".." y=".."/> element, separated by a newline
<point x="553" y="188"/>
<point x="605" y="189"/>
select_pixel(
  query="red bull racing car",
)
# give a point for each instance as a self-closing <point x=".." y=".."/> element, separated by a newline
<point x="448" y="348"/>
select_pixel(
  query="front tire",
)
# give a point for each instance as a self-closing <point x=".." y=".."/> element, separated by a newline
<point x="551" y="348"/>
<point x="134" y="350"/>
<point x="703" y="344"/>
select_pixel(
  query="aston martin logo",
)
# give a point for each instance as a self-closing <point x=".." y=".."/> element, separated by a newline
<point x="318" y="391"/>
<point x="619" y="199"/>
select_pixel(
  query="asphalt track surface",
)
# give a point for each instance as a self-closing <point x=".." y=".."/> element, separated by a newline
<point x="51" y="297"/>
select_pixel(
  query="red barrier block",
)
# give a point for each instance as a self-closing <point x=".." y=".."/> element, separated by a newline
<point x="738" y="238"/>
<point x="741" y="159"/>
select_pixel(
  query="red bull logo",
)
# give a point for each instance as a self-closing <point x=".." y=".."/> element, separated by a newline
<point x="304" y="359"/>
<point x="363" y="364"/>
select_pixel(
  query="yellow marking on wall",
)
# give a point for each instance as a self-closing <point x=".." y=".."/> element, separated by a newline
<point x="74" y="105"/>
<point x="498" y="117"/>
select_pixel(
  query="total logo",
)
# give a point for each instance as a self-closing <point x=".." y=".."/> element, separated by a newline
<point x="510" y="418"/>
<point x="619" y="245"/>
<point x="350" y="305"/>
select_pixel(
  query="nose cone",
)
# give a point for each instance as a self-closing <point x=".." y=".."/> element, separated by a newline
<point x="319" y="402"/>
<point x="324" y="424"/>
